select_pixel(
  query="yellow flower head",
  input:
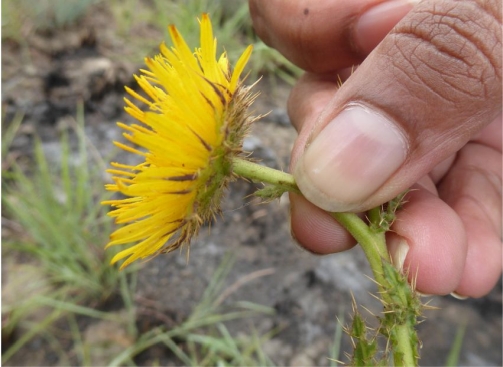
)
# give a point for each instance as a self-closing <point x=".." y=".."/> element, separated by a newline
<point x="194" y="124"/>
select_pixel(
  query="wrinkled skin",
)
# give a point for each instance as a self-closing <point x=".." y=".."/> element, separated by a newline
<point x="437" y="76"/>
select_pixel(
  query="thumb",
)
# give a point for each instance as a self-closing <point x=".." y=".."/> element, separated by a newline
<point x="430" y="86"/>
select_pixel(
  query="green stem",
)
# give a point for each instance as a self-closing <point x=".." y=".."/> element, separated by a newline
<point x="259" y="173"/>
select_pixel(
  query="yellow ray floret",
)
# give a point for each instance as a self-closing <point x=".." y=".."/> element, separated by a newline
<point x="193" y="120"/>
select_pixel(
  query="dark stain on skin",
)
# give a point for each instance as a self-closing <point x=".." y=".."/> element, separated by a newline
<point x="306" y="11"/>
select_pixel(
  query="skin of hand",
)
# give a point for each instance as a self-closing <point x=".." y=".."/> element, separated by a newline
<point x="420" y="108"/>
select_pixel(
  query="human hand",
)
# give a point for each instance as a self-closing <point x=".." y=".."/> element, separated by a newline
<point x="423" y="111"/>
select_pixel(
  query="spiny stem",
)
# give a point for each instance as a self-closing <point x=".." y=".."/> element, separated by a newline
<point x="373" y="244"/>
<point x="374" y="215"/>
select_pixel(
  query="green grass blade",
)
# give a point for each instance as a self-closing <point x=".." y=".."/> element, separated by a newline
<point x="82" y="173"/>
<point x="10" y="133"/>
<point x="76" y="309"/>
<point x="29" y="334"/>
<point x="335" y="349"/>
<point x="176" y="350"/>
<point x="453" y="356"/>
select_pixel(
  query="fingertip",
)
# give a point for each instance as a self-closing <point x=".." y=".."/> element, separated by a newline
<point x="436" y="240"/>
<point x="483" y="261"/>
<point x="472" y="188"/>
<point x="315" y="230"/>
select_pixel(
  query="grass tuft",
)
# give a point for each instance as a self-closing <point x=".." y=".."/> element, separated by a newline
<point x="59" y="208"/>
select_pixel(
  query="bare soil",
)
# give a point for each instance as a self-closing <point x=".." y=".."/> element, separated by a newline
<point x="48" y="77"/>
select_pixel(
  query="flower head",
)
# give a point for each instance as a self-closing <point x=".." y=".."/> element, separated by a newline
<point x="194" y="123"/>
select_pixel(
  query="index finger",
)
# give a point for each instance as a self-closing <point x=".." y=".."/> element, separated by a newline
<point x="323" y="36"/>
